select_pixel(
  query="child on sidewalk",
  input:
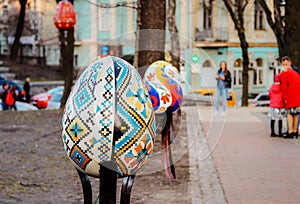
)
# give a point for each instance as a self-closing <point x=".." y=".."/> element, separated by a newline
<point x="277" y="110"/>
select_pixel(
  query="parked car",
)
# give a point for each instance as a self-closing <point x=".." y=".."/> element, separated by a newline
<point x="41" y="100"/>
<point x="262" y="99"/>
<point x="18" y="88"/>
<point x="56" y="89"/>
<point x="21" y="106"/>
<point x="54" y="102"/>
<point x="231" y="101"/>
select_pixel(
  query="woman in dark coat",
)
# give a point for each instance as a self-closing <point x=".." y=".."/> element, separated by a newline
<point x="26" y="88"/>
<point x="223" y="85"/>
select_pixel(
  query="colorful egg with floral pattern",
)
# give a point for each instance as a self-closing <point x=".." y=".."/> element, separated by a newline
<point x="165" y="79"/>
<point x="109" y="117"/>
<point x="154" y="96"/>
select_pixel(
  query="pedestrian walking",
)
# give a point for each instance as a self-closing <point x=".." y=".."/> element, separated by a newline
<point x="290" y="86"/>
<point x="223" y="84"/>
<point x="26" y="88"/>
<point x="277" y="110"/>
<point x="11" y="98"/>
<point x="3" y="95"/>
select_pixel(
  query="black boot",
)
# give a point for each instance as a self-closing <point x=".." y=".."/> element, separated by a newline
<point x="295" y="135"/>
<point x="272" y="129"/>
<point x="289" y="136"/>
<point x="280" y="128"/>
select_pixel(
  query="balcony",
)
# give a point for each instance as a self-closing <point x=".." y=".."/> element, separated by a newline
<point x="212" y="35"/>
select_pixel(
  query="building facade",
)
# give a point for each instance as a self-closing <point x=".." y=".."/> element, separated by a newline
<point x="102" y="29"/>
<point x="216" y="40"/>
<point x="39" y="33"/>
<point x="207" y="37"/>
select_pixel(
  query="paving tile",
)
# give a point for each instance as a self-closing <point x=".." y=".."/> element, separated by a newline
<point x="253" y="167"/>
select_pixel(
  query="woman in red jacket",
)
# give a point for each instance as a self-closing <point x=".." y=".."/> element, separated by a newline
<point x="277" y="110"/>
<point x="290" y="86"/>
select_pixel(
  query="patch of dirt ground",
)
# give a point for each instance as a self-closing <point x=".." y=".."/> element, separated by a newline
<point x="35" y="168"/>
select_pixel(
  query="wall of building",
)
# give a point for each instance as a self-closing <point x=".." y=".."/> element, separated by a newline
<point x="98" y="28"/>
<point x="262" y="49"/>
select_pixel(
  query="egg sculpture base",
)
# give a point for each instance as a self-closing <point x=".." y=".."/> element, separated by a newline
<point x="108" y="127"/>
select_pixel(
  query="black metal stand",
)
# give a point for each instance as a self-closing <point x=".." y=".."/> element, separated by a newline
<point x="166" y="148"/>
<point x="86" y="187"/>
<point x="108" y="183"/>
<point x="126" y="189"/>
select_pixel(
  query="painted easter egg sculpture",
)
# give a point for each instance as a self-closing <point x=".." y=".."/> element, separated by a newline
<point x="163" y="83"/>
<point x="109" y="117"/>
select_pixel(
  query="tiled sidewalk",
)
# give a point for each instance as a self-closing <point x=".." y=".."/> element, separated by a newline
<point x="252" y="166"/>
<point x="204" y="185"/>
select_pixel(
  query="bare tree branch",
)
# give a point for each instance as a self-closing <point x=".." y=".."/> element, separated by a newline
<point x="268" y="12"/>
<point x="237" y="16"/>
<point x="119" y="4"/>
<point x="276" y="24"/>
<point x="229" y="5"/>
<point x="244" y="6"/>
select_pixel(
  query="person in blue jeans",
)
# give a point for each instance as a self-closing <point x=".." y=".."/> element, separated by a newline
<point x="223" y="85"/>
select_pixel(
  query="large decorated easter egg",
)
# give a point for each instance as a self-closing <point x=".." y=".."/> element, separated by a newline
<point x="109" y="117"/>
<point x="163" y="83"/>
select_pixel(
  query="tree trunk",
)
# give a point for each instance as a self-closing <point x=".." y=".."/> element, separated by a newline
<point x="175" y="45"/>
<point x="137" y="36"/>
<point x="292" y="30"/>
<point x="236" y="12"/>
<point x="67" y="50"/>
<point x="151" y="33"/>
<point x="18" y="34"/>
<point x="244" y="46"/>
<point x="67" y="56"/>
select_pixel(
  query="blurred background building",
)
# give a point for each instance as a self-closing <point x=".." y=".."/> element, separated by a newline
<point x="215" y="39"/>
<point x="207" y="36"/>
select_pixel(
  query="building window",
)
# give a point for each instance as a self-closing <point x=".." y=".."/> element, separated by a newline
<point x="207" y="64"/>
<point x="259" y="17"/>
<point x="258" y="72"/>
<point x="276" y="66"/>
<point x="105" y="19"/>
<point x="207" y="18"/>
<point x="237" y="73"/>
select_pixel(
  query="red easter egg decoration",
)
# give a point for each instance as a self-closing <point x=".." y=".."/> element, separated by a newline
<point x="65" y="16"/>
